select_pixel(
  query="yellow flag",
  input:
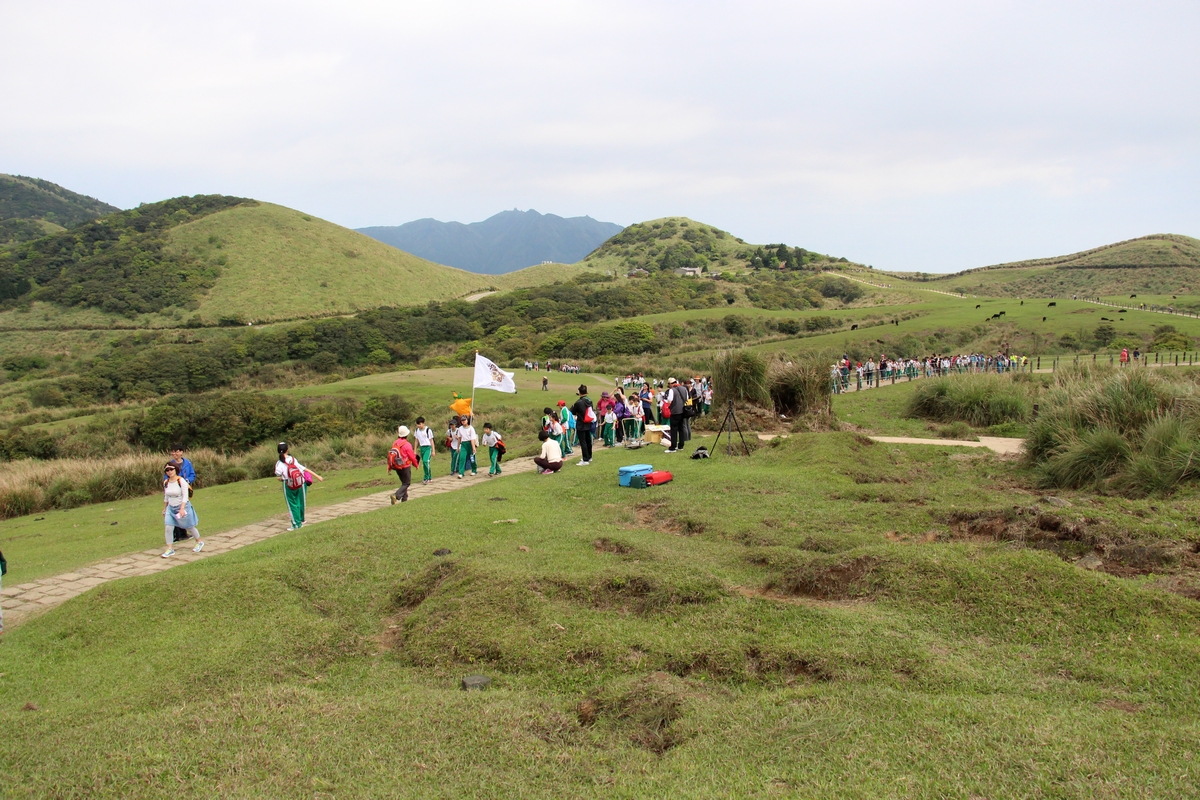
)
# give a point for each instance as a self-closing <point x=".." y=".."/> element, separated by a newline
<point x="461" y="405"/>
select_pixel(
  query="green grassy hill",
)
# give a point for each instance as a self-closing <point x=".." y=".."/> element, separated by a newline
<point x="31" y="208"/>
<point x="1162" y="264"/>
<point x="678" y="242"/>
<point x="278" y="263"/>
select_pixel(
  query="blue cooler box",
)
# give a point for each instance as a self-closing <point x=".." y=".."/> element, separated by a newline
<point x="625" y="474"/>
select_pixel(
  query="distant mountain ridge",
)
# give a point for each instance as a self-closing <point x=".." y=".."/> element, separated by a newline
<point x="504" y="242"/>
<point x="32" y="207"/>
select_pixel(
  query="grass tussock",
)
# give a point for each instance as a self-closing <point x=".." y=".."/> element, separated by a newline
<point x="741" y="376"/>
<point x="979" y="400"/>
<point x="1135" y="432"/>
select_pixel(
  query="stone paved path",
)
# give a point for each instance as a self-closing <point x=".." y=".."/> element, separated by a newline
<point x="999" y="444"/>
<point x="24" y="600"/>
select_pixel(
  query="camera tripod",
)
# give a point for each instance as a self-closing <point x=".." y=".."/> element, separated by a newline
<point x="731" y="424"/>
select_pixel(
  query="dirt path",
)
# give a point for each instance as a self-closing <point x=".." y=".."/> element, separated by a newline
<point x="1004" y="446"/>
<point x="25" y="600"/>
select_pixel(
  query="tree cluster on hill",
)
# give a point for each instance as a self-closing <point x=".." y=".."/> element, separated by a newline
<point x="671" y="244"/>
<point x="585" y="319"/>
<point x="119" y="263"/>
<point x="26" y="199"/>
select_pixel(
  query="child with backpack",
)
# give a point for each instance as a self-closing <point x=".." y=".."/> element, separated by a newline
<point x="452" y="444"/>
<point x="496" y="449"/>
<point x="425" y="452"/>
<point x="293" y="474"/>
<point x="402" y="459"/>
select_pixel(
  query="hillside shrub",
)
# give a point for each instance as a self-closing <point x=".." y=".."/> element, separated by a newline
<point x="799" y="387"/>
<point x="741" y="376"/>
<point x="979" y="400"/>
<point x="1134" y="432"/>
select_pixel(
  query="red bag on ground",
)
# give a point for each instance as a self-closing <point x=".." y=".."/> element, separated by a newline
<point x="659" y="477"/>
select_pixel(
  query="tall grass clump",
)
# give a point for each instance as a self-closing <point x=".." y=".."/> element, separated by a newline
<point x="799" y="387"/>
<point x="741" y="376"/>
<point x="1133" y="432"/>
<point x="979" y="400"/>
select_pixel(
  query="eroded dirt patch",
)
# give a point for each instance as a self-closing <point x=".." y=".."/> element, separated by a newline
<point x="822" y="580"/>
<point x="1101" y="544"/>
<point x="648" y="711"/>
<point x="655" y="516"/>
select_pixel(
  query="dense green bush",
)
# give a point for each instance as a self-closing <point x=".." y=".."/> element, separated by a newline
<point x="119" y="263"/>
<point x="227" y="422"/>
<point x="979" y="400"/>
<point x="1133" y="431"/>
<point x="741" y="376"/>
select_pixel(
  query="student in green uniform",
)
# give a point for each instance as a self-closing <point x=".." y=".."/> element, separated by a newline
<point x="424" y="436"/>
<point x="468" y="440"/>
<point x="493" y="442"/>
<point x="568" y="423"/>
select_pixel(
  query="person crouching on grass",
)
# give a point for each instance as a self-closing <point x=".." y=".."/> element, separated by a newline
<point x="550" y="459"/>
<point x="296" y="496"/>
<point x="401" y="458"/>
<point x="496" y="449"/>
<point x="177" y="510"/>
<point x="424" y="437"/>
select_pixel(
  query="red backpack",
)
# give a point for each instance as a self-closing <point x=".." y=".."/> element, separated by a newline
<point x="295" y="475"/>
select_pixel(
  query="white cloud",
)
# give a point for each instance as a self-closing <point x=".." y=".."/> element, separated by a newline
<point x="798" y="121"/>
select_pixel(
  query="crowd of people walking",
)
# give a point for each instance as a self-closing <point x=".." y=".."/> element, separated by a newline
<point x="872" y="373"/>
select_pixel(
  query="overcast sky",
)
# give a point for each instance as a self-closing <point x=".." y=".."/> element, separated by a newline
<point x="909" y="135"/>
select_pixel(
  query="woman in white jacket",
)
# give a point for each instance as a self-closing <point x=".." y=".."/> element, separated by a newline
<point x="178" y="511"/>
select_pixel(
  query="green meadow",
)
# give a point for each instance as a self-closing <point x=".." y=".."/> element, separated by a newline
<point x="698" y="639"/>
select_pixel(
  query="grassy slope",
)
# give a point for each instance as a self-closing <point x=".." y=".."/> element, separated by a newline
<point x="327" y="661"/>
<point x="277" y="259"/>
<point x="966" y="328"/>
<point x="1164" y="264"/>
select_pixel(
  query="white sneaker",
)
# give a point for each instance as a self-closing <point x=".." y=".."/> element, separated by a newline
<point x="168" y="554"/>
<point x="199" y="546"/>
<point x="583" y="463"/>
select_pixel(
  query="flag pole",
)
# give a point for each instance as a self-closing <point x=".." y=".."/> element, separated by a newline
<point x="473" y="387"/>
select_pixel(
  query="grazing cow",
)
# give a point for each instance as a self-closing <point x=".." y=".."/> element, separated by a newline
<point x="1022" y="302"/>
<point x="1173" y="297"/>
<point x="1132" y="296"/>
<point x="1002" y="313"/>
<point x="1122" y="311"/>
<point x="976" y="307"/>
<point x="879" y="341"/>
<point x="1051" y="305"/>
<point x="853" y="327"/>
<point x="1043" y="319"/>
<point x="1105" y="319"/>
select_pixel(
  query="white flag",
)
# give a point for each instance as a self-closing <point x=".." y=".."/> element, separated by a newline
<point x="489" y="376"/>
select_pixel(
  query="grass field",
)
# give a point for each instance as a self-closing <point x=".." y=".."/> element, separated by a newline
<point x="696" y="640"/>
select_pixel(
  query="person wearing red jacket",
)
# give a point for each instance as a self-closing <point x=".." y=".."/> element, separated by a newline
<point x="402" y="458"/>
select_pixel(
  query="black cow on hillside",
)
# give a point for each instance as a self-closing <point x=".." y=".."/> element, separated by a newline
<point x="1051" y="305"/>
<point x="853" y="327"/>
<point x="1105" y="319"/>
<point x="1043" y="319"/>
<point x="976" y="307"/>
<point x="1132" y="296"/>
